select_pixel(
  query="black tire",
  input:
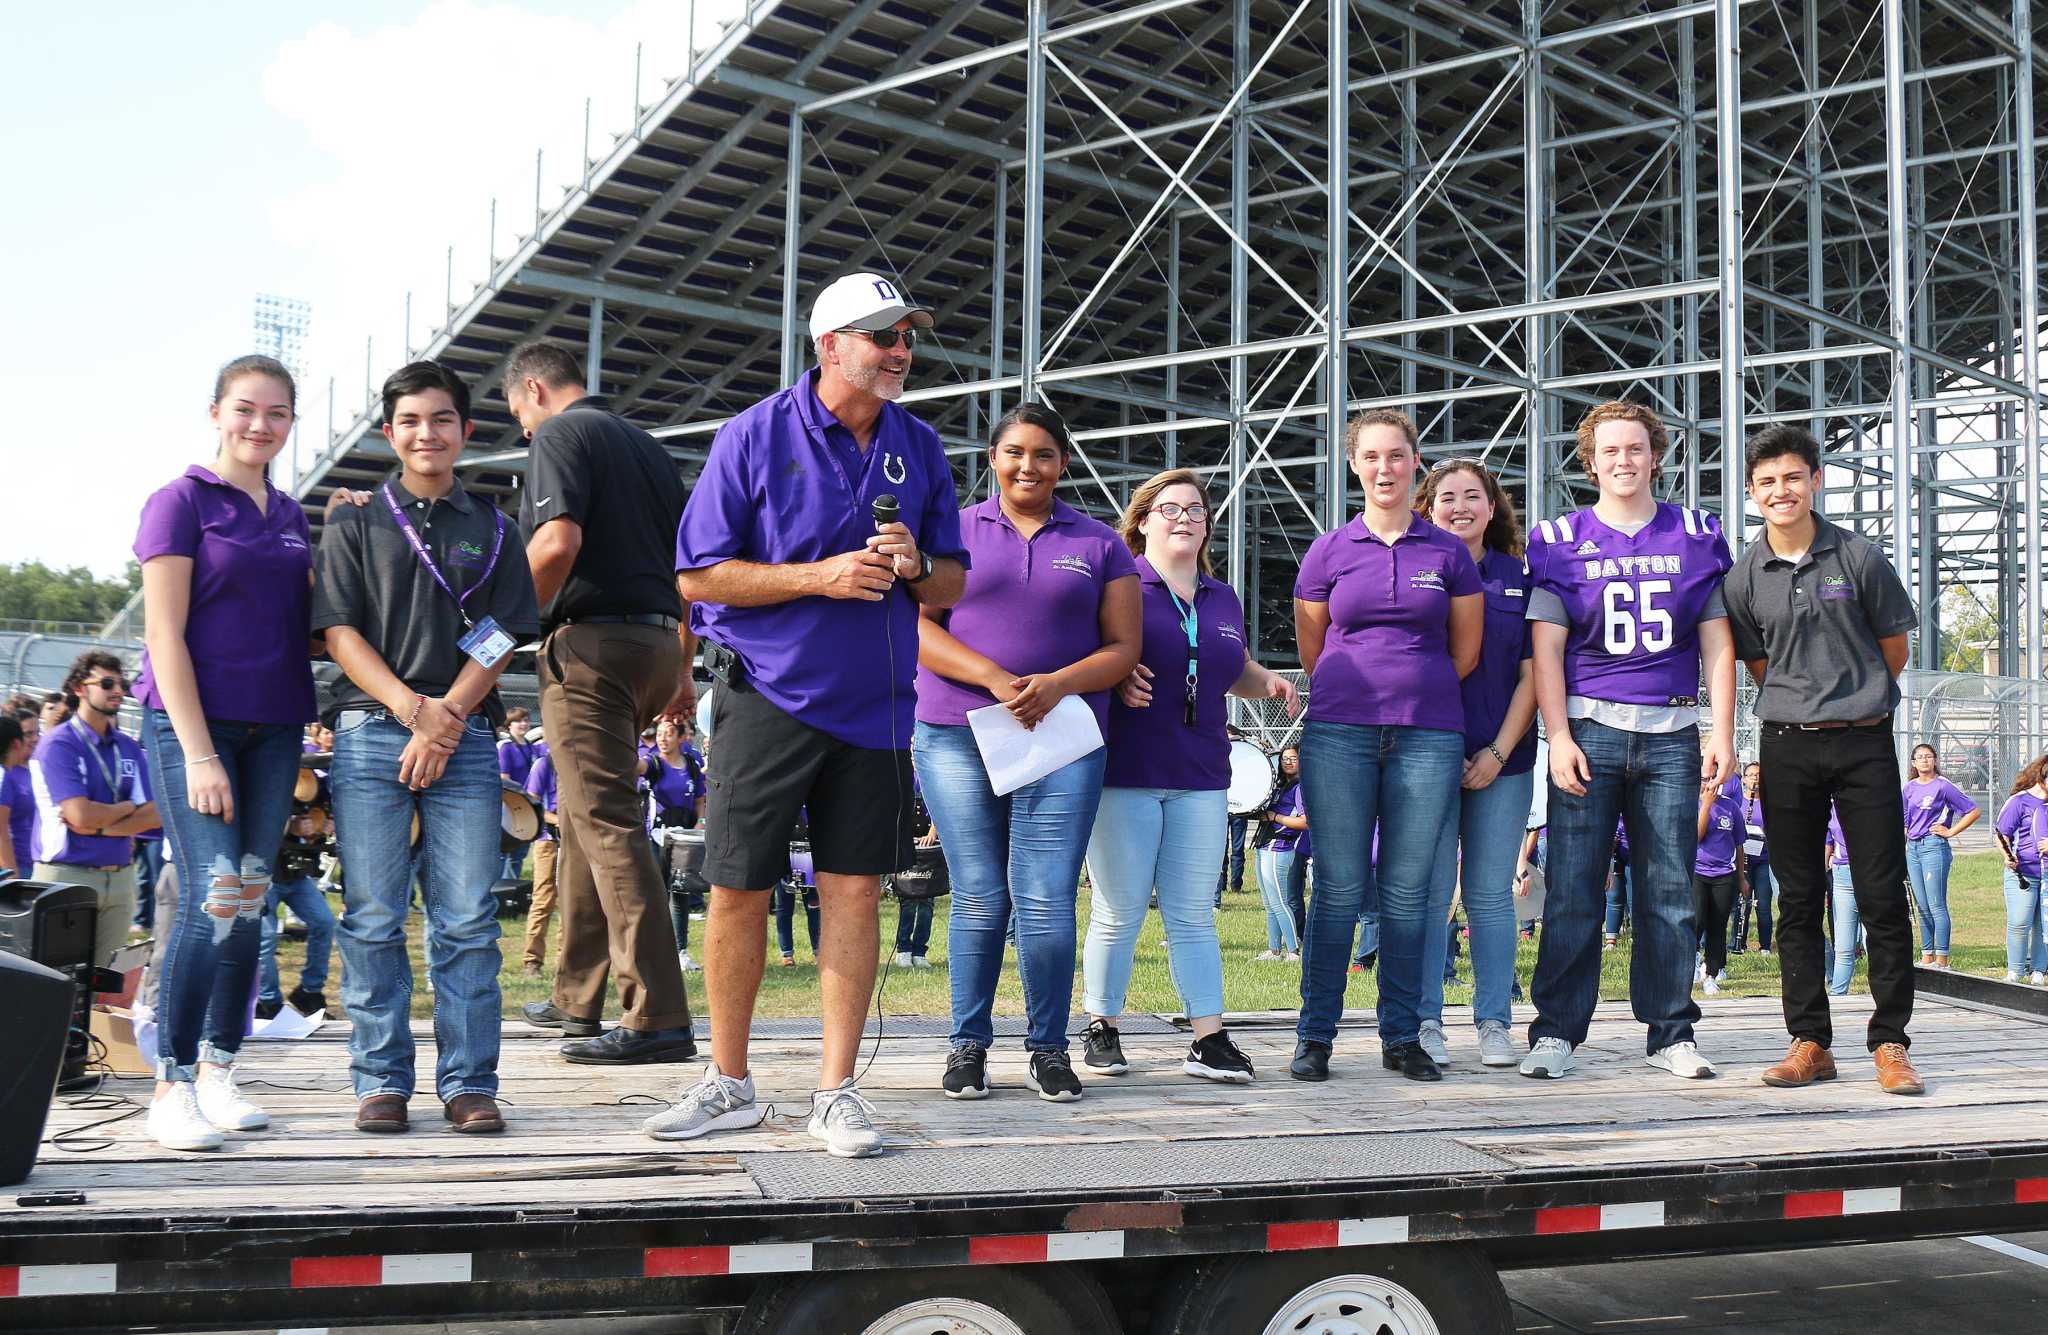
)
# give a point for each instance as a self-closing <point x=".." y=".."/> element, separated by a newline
<point x="1239" y="1295"/>
<point x="1041" y="1300"/>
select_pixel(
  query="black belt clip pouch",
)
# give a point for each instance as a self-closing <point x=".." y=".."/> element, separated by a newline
<point x="725" y="665"/>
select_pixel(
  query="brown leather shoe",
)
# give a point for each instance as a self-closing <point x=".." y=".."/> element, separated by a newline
<point x="1895" y="1073"/>
<point x="382" y="1114"/>
<point x="1805" y="1062"/>
<point x="473" y="1113"/>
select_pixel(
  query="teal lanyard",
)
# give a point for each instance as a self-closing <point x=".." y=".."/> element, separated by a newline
<point x="1192" y="625"/>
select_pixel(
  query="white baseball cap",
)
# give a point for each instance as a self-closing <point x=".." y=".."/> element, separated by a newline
<point x="868" y="301"/>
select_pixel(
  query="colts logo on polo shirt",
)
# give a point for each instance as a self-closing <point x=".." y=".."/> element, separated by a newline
<point x="892" y="468"/>
<point x="1076" y="564"/>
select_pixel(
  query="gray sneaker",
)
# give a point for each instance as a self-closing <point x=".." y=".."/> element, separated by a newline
<point x="715" y="1103"/>
<point x="1496" y="1044"/>
<point x="844" y="1121"/>
<point x="1548" y="1059"/>
<point x="1431" y="1038"/>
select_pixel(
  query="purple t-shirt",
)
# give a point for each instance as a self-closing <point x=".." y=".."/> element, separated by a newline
<point x="2019" y="820"/>
<point x="672" y="787"/>
<point x="1031" y="605"/>
<point x="785" y="482"/>
<point x="1726" y="829"/>
<point x="1155" y="747"/>
<point x="251" y="605"/>
<point x="1634" y="601"/>
<point x="1285" y="840"/>
<point x="1387" y="657"/>
<point x="72" y="761"/>
<point x="1935" y="802"/>
<point x="17" y="792"/>
<point x="1505" y="583"/>
<point x="1753" y="817"/>
<point x="515" y="760"/>
<point x="540" y="786"/>
<point x="1841" y="845"/>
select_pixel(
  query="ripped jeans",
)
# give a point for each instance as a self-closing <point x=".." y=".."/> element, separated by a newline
<point x="209" y="962"/>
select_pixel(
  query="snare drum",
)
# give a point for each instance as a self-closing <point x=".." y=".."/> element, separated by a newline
<point x="801" y="871"/>
<point x="1251" y="779"/>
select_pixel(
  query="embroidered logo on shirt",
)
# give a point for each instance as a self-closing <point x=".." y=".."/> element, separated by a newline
<point x="543" y="503"/>
<point x="1586" y="548"/>
<point x="892" y="468"/>
<point x="467" y="554"/>
<point x="293" y="541"/>
<point x="1077" y="564"/>
<point x="1229" y="631"/>
<point x="1836" y="586"/>
<point x="1427" y="579"/>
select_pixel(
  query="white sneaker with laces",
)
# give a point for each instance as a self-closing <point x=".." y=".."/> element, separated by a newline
<point x="844" y="1121"/>
<point x="902" y="959"/>
<point x="1496" y="1044"/>
<point x="2038" y="978"/>
<point x="716" y="1103"/>
<point x="2011" y="977"/>
<point x="1682" y="1060"/>
<point x="224" y="1105"/>
<point x="689" y="965"/>
<point x="1711" y="987"/>
<point x="176" y="1123"/>
<point x="1431" y="1039"/>
<point x="1548" y="1059"/>
<point x="1267" y="955"/>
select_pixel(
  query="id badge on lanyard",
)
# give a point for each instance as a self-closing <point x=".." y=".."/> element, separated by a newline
<point x="485" y="641"/>
<point x="1192" y="625"/>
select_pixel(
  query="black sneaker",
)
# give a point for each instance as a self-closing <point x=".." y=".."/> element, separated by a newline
<point x="1217" y="1058"/>
<point x="1103" y="1050"/>
<point x="1311" y="1060"/>
<point x="306" y="1002"/>
<point x="966" y="1072"/>
<point x="620" y="1046"/>
<point x="267" y="1010"/>
<point x="1052" y="1075"/>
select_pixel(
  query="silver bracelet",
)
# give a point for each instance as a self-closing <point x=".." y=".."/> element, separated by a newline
<point x="203" y="759"/>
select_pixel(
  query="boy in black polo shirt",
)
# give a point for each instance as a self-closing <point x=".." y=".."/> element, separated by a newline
<point x="1821" y="618"/>
<point x="422" y="593"/>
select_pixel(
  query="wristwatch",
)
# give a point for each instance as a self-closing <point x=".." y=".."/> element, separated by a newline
<point x="924" y="569"/>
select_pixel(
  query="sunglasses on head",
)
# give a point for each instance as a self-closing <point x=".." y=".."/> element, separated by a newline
<point x="886" y="339"/>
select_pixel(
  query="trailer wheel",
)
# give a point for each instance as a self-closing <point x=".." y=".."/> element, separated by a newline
<point x="1046" y="1300"/>
<point x="1435" y="1290"/>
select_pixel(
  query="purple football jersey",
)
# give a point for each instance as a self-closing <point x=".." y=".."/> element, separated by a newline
<point x="1635" y="601"/>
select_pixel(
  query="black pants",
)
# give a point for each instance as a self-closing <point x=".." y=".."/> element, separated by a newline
<point x="1712" y="897"/>
<point x="1856" y="770"/>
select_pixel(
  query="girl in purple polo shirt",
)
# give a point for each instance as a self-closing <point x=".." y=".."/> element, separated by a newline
<point x="1717" y="878"/>
<point x="2022" y="830"/>
<point x="1283" y="863"/>
<point x="1050" y="610"/>
<point x="1936" y="812"/>
<point x="226" y="689"/>
<point x="1388" y="613"/>
<point x="17" y="799"/>
<point x="1164" y="818"/>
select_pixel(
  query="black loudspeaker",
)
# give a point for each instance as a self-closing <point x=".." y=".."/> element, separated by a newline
<point x="37" y="1002"/>
<point x="53" y="925"/>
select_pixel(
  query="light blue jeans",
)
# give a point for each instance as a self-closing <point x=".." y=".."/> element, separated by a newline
<point x="1283" y="883"/>
<point x="458" y="860"/>
<point x="304" y="898"/>
<point x="1845" y="930"/>
<point x="1351" y="776"/>
<point x="1019" y="853"/>
<point x="1147" y="840"/>
<point x="1927" y="863"/>
<point x="1481" y="846"/>
<point x="2026" y="921"/>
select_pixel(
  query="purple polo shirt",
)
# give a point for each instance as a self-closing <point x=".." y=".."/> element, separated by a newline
<point x="2020" y="822"/>
<point x="18" y="794"/>
<point x="1726" y="830"/>
<point x="1387" y="657"/>
<point x="1486" y="692"/>
<point x="515" y="760"/>
<point x="71" y="761"/>
<point x="1753" y="818"/>
<point x="540" y="786"/>
<point x="1284" y="840"/>
<point x="1154" y="747"/>
<point x="1935" y="802"/>
<point x="1032" y="605"/>
<point x="251" y="608"/>
<point x="785" y="482"/>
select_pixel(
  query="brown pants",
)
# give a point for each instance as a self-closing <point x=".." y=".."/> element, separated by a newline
<point x="600" y="686"/>
<point x="543" y="907"/>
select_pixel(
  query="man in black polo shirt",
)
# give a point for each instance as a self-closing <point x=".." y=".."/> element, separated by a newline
<point x="1821" y="618"/>
<point x="600" y="509"/>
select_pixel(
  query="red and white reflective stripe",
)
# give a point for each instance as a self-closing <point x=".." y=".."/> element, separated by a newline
<point x="1317" y="1233"/>
<point x="348" y="1272"/>
<point x="773" y="1258"/>
<point x="1104" y="1246"/>
<point x="1599" y="1218"/>
<point x="1834" y="1204"/>
<point x="52" y="1281"/>
<point x="2031" y="1191"/>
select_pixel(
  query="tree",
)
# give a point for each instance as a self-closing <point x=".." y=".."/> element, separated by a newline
<point x="34" y="592"/>
<point x="1968" y="630"/>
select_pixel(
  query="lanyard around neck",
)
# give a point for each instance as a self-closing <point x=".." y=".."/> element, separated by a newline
<point x="419" y="549"/>
<point x="92" y="744"/>
<point x="1190" y="623"/>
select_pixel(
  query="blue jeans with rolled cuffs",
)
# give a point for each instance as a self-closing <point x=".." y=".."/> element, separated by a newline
<point x="209" y="961"/>
<point x="1165" y="840"/>
<point x="459" y="860"/>
<point x="1479" y="849"/>
<point x="1019" y="854"/>
<point x="1405" y="781"/>
<point x="1655" y="778"/>
<point x="1927" y="864"/>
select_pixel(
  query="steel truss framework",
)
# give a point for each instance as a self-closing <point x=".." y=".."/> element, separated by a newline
<point x="1818" y="211"/>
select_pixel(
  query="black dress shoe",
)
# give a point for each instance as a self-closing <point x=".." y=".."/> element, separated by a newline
<point x="1311" y="1060"/>
<point x="1410" y="1060"/>
<point x="305" y="1002"/>
<point x="550" y="1016"/>
<point x="621" y="1046"/>
<point x="267" y="1010"/>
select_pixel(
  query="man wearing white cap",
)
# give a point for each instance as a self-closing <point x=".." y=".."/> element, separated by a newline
<point x="825" y="518"/>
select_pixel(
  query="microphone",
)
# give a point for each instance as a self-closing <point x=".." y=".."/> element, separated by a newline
<point x="885" y="509"/>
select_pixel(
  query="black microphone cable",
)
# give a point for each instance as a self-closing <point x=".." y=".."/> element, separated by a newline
<point x="885" y="509"/>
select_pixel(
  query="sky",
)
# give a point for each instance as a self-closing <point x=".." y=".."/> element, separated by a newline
<point x="166" y="162"/>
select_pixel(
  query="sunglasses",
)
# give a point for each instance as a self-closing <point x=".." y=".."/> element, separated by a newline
<point x="109" y="684"/>
<point x="886" y="339"/>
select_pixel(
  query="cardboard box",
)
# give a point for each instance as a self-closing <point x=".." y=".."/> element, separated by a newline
<point x="115" y="1027"/>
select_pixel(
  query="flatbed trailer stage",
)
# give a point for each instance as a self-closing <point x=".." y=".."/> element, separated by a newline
<point x="1156" y="1203"/>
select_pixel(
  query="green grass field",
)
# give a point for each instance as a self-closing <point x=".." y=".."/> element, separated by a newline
<point x="1975" y="902"/>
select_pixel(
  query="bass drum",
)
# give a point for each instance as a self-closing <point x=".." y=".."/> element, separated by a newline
<point x="1251" y="778"/>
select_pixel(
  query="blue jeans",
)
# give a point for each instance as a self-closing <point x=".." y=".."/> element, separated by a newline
<point x="304" y="898"/>
<point x="787" y="893"/>
<point x="1351" y="776"/>
<point x="1927" y="863"/>
<point x="1481" y="846"/>
<point x="914" y="926"/>
<point x="2026" y="921"/>
<point x="209" y="962"/>
<point x="1015" y="854"/>
<point x="149" y="864"/>
<point x="1233" y="866"/>
<point x="1163" y="840"/>
<point x="1283" y="885"/>
<point x="459" y="860"/>
<point x="1618" y="905"/>
<point x="1845" y="930"/>
<point x="1655" y="779"/>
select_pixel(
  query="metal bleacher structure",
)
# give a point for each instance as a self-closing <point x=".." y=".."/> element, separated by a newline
<point x="1820" y="211"/>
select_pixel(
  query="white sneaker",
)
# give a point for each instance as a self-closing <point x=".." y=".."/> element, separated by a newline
<point x="689" y="965"/>
<point x="1764" y="951"/>
<point x="1294" y="957"/>
<point x="1682" y="1060"/>
<point x="715" y="1103"/>
<point x="1721" y="977"/>
<point x="1267" y="955"/>
<point x="902" y="959"/>
<point x="1699" y="970"/>
<point x="1431" y="1039"/>
<point x="2038" y="978"/>
<point x="844" y="1121"/>
<point x="225" y="1106"/>
<point x="1548" y="1059"/>
<point x="176" y="1123"/>
<point x="920" y="962"/>
<point x="1496" y="1044"/>
<point x="2011" y="977"/>
<point x="1711" y="987"/>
